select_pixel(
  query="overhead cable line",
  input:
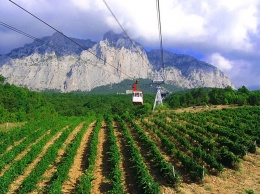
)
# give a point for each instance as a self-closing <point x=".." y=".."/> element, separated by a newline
<point x="56" y="47"/>
<point x="160" y="32"/>
<point x="84" y="48"/>
<point x="133" y="43"/>
<point x="27" y="35"/>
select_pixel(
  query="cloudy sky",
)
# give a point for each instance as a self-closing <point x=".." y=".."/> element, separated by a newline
<point x="224" y="33"/>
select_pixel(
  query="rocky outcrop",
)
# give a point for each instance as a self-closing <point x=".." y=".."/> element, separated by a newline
<point x="186" y="71"/>
<point x="56" y="63"/>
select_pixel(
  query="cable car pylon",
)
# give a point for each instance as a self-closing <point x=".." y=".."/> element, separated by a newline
<point x="158" y="79"/>
<point x="158" y="76"/>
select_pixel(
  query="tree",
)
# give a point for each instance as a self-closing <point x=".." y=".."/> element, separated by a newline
<point x="187" y="99"/>
<point x="244" y="90"/>
<point x="216" y="96"/>
<point x="2" y="79"/>
<point x="242" y="99"/>
<point x="174" y="101"/>
<point x="254" y="98"/>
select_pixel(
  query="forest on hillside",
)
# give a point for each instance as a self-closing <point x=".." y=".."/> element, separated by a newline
<point x="18" y="104"/>
<point x="214" y="96"/>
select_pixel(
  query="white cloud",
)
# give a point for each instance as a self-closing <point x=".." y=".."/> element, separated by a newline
<point x="219" y="61"/>
<point x="82" y="5"/>
<point x="215" y="23"/>
<point x="230" y="29"/>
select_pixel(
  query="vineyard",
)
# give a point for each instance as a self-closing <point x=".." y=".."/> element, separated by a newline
<point x="123" y="154"/>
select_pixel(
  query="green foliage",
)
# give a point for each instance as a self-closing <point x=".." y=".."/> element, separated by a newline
<point x="144" y="85"/>
<point x="2" y="79"/>
<point x="66" y="162"/>
<point x="19" y="104"/>
<point x="18" y="167"/>
<point x="71" y="104"/>
<point x="215" y="96"/>
<point x="163" y="166"/>
<point x="143" y="179"/>
<point x="227" y="158"/>
<point x="30" y="182"/>
<point x="114" y="154"/>
<point x="85" y="180"/>
<point x="198" y="143"/>
<point x="250" y="191"/>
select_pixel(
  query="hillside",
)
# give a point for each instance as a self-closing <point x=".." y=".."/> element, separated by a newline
<point x="123" y="154"/>
<point x="55" y="63"/>
<point x="144" y="84"/>
<point x="89" y="143"/>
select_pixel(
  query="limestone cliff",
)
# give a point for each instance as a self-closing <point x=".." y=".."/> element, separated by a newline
<point x="55" y="63"/>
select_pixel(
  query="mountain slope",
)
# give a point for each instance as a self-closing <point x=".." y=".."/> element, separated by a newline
<point x="187" y="71"/>
<point x="66" y="67"/>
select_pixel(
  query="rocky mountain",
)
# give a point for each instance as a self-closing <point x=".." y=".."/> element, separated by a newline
<point x="187" y="71"/>
<point x="56" y="63"/>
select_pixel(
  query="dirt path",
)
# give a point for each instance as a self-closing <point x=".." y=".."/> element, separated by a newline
<point x="15" y="185"/>
<point x="127" y="174"/>
<point x="198" y="108"/>
<point x="22" y="154"/>
<point x="79" y="165"/>
<point x="10" y="126"/>
<point x="52" y="168"/>
<point x="101" y="183"/>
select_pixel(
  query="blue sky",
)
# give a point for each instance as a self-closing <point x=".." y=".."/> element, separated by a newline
<point x="224" y="33"/>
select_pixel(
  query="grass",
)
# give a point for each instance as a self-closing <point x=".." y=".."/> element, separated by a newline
<point x="8" y="126"/>
<point x="208" y="188"/>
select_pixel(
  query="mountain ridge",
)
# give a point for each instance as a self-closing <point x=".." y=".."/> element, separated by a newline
<point x="39" y="66"/>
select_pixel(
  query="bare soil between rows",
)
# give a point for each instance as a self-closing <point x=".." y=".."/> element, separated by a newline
<point x="79" y="164"/>
<point x="101" y="183"/>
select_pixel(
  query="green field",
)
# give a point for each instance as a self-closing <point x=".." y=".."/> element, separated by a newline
<point x="123" y="154"/>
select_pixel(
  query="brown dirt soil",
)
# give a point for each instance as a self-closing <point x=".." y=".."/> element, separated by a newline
<point x="246" y="178"/>
<point x="203" y="108"/>
<point x="101" y="183"/>
<point x="22" y="154"/>
<point x="15" y="185"/>
<point x="79" y="165"/>
<point x="10" y="126"/>
<point x="52" y="168"/>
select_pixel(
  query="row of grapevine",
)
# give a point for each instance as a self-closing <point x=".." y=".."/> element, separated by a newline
<point x="239" y="142"/>
<point x="143" y="179"/>
<point x="29" y="184"/>
<point x="17" y="168"/>
<point x="114" y="160"/>
<point x="165" y="169"/>
<point x="65" y="164"/>
<point x="21" y="133"/>
<point x="242" y="122"/>
<point x="194" y="169"/>
<point x="214" y="146"/>
<point x="159" y="149"/>
<point x="220" y="154"/>
<point x="7" y="137"/>
<point x="85" y="180"/>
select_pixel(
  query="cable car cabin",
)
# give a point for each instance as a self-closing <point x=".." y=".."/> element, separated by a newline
<point x="137" y="98"/>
